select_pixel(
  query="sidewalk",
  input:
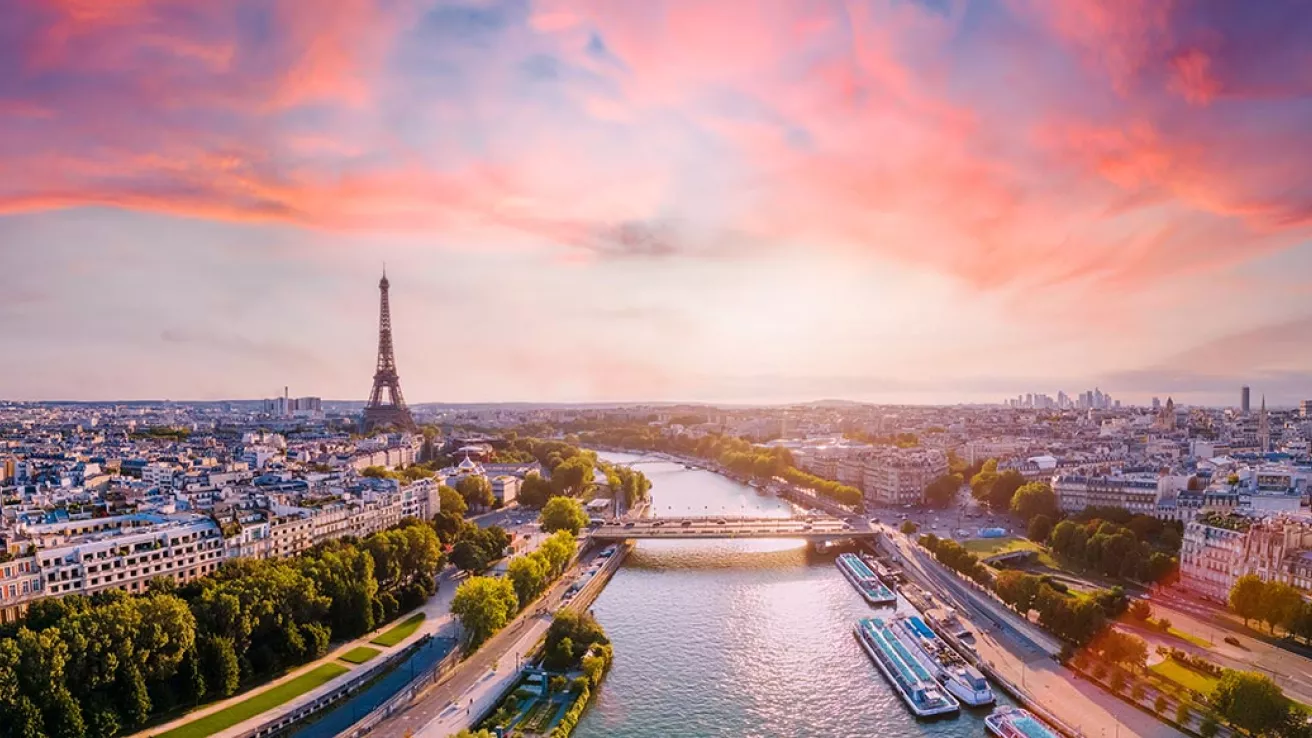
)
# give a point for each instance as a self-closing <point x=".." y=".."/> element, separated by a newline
<point x="1017" y="650"/>
<point x="475" y="685"/>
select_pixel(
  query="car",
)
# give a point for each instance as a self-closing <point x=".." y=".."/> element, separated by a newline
<point x="1232" y="641"/>
<point x="721" y="521"/>
<point x="874" y="521"/>
<point x="686" y="524"/>
<point x="658" y="523"/>
<point x="847" y="526"/>
<point x="629" y="524"/>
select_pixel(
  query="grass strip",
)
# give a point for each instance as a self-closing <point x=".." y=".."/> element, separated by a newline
<point x="400" y="632"/>
<point x="359" y="654"/>
<point x="260" y="703"/>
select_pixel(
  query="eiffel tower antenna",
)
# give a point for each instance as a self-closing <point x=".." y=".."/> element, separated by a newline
<point x="393" y="411"/>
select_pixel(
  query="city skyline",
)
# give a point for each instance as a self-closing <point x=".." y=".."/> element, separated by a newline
<point x="901" y="202"/>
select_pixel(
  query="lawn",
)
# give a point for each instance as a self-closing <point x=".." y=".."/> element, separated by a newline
<point x="992" y="546"/>
<point x="1174" y="671"/>
<point x="400" y="632"/>
<point x="249" y="708"/>
<point x="359" y="654"/>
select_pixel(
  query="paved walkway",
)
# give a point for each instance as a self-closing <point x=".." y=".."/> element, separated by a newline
<point x="473" y="687"/>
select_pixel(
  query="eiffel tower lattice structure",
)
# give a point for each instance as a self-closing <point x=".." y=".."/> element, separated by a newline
<point x="380" y="413"/>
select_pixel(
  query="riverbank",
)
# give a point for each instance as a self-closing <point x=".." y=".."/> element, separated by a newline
<point x="1021" y="658"/>
<point x="473" y="688"/>
<point x="506" y="698"/>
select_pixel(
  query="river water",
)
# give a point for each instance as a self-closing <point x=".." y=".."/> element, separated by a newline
<point x="740" y="638"/>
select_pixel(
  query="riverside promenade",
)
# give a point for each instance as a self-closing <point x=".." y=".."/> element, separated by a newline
<point x="475" y="686"/>
<point x="1023" y="655"/>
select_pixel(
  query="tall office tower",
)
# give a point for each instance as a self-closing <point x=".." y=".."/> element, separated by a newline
<point x="1245" y="400"/>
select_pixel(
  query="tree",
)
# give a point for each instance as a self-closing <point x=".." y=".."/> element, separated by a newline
<point x="563" y="513"/>
<point x="451" y="501"/>
<point x="468" y="555"/>
<point x="942" y="491"/>
<point x="222" y="672"/>
<point x="1182" y="713"/>
<point x="982" y="483"/>
<point x="1140" y="610"/>
<point x="476" y="491"/>
<point x="558" y="550"/>
<point x="1004" y="488"/>
<point x="529" y="576"/>
<point x="573" y="476"/>
<point x="134" y="700"/>
<point x="1280" y="604"/>
<point x="560" y="656"/>
<point x="483" y="605"/>
<point x="535" y="491"/>
<point x="1040" y="528"/>
<point x="909" y="528"/>
<point x="1034" y="498"/>
<point x="1017" y="589"/>
<point x="1209" y="727"/>
<point x="1062" y="534"/>
<point x="1250" y="701"/>
<point x="1246" y="597"/>
<point x="1160" y="704"/>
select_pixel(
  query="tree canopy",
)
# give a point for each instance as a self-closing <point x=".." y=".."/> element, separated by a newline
<point x="483" y="605"/>
<point x="1250" y="701"/>
<point x="942" y="491"/>
<point x="1246" y="597"/>
<point x="563" y="513"/>
<point x="106" y="663"/>
<point x="476" y="491"/>
<point x="1034" y="498"/>
<point x="573" y="476"/>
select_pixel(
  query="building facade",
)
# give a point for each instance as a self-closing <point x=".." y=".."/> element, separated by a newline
<point x="1219" y="549"/>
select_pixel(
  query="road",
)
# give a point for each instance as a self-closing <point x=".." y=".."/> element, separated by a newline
<point x="453" y="705"/>
<point x="1207" y="621"/>
<point x="1023" y="654"/>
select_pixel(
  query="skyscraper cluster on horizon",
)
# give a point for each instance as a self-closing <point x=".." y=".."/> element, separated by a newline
<point x="1094" y="399"/>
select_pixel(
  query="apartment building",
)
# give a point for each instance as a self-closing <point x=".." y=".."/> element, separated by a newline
<point x="20" y="584"/>
<point x="183" y="550"/>
<point x="896" y="476"/>
<point x="1138" y="494"/>
<point x="1219" y="549"/>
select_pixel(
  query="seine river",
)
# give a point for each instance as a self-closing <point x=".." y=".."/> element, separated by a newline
<point x="739" y="638"/>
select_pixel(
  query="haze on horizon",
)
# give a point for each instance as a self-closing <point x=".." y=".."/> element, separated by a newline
<point x="919" y="201"/>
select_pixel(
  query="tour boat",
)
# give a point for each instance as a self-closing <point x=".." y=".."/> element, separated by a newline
<point x="863" y="578"/>
<point x="913" y="683"/>
<point x="1013" y="722"/>
<point x="957" y="676"/>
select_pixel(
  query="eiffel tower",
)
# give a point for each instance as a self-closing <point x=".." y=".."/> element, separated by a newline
<point x="378" y="414"/>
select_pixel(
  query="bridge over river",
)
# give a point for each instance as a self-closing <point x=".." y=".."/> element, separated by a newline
<point x="815" y="528"/>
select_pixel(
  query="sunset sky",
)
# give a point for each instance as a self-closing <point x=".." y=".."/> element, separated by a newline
<point x="613" y="200"/>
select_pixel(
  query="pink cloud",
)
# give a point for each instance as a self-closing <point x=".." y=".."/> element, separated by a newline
<point x="864" y="127"/>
